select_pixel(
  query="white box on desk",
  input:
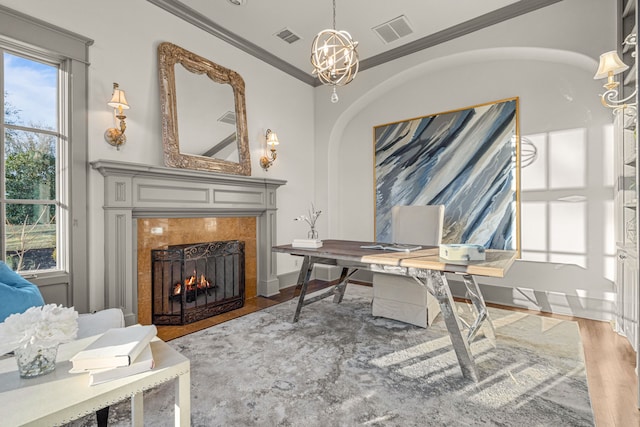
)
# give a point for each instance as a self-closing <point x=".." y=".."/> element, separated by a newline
<point x="462" y="252"/>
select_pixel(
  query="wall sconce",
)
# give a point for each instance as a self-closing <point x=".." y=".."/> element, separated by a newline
<point x="611" y="65"/>
<point x="114" y="136"/>
<point x="267" y="160"/>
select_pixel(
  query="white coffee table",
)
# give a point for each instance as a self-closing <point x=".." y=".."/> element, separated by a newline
<point x="60" y="397"/>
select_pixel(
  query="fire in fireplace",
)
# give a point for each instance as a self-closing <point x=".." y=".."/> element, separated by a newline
<point x="192" y="286"/>
<point x="193" y="282"/>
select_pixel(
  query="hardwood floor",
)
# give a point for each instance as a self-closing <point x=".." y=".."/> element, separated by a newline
<point x="609" y="358"/>
<point x="611" y="363"/>
<point x="251" y="305"/>
<point x="613" y="383"/>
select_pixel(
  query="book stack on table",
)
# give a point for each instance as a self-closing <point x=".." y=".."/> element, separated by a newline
<point x="307" y="243"/>
<point x="117" y="353"/>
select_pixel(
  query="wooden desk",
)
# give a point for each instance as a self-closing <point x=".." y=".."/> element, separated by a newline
<point x="425" y="266"/>
<point x="60" y="397"/>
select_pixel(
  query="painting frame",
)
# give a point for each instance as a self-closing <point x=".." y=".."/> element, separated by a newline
<point x="467" y="159"/>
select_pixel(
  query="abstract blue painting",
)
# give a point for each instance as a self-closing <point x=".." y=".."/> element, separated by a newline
<point x="465" y="160"/>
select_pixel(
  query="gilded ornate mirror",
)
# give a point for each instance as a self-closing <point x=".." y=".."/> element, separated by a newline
<point x="204" y="122"/>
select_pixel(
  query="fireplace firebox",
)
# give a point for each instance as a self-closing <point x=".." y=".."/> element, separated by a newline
<point x="193" y="282"/>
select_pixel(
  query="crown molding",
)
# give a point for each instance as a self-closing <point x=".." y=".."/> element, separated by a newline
<point x="36" y="35"/>
<point x="483" y="21"/>
<point x="195" y="18"/>
<point x="505" y="13"/>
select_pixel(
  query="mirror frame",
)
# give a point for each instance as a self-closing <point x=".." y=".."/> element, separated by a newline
<point x="168" y="56"/>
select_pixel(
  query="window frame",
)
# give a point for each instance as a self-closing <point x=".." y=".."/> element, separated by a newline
<point x="62" y="164"/>
<point x="30" y="36"/>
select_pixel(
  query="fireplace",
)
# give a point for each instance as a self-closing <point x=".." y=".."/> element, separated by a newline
<point x="193" y="282"/>
<point x="137" y="194"/>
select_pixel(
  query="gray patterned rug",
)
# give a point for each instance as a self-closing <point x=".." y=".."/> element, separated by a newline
<point x="339" y="366"/>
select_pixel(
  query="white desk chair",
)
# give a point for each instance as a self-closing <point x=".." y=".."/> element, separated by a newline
<point x="402" y="298"/>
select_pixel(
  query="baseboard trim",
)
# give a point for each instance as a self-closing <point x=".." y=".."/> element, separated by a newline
<point x="288" y="279"/>
<point x="544" y="301"/>
<point x="548" y="301"/>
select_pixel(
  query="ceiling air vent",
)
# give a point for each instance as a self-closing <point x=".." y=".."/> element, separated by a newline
<point x="393" y="30"/>
<point x="229" y="118"/>
<point x="287" y="35"/>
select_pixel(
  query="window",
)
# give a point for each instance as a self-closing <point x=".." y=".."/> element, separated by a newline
<point x="43" y="156"/>
<point x="33" y="211"/>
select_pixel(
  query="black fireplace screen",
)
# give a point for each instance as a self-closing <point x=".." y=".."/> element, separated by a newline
<point x="193" y="282"/>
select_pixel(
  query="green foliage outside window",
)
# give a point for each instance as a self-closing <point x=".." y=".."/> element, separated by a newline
<point x="30" y="174"/>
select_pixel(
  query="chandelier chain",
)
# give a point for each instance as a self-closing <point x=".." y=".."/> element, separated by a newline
<point x="334" y="14"/>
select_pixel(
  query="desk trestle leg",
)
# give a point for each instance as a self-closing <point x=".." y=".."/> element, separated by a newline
<point x="453" y="323"/>
<point x="303" y="282"/>
<point x="336" y="291"/>
<point x="341" y="287"/>
<point x="482" y="318"/>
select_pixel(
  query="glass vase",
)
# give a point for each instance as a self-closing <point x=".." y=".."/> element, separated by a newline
<point x="312" y="234"/>
<point x="34" y="360"/>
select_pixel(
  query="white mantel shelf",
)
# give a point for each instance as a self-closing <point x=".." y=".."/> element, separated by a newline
<point x="133" y="190"/>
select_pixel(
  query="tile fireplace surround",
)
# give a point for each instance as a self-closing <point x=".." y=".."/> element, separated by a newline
<point x="134" y="191"/>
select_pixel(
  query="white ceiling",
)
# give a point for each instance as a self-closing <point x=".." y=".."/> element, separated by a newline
<point x="255" y="23"/>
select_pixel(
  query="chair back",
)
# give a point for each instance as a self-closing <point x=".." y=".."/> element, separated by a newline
<point x="417" y="225"/>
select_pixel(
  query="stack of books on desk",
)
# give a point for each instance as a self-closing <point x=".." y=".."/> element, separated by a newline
<point x="307" y="243"/>
<point x="117" y="353"/>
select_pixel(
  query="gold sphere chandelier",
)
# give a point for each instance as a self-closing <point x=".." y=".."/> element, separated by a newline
<point x="334" y="57"/>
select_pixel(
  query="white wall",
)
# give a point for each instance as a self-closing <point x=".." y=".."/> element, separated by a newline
<point x="126" y="35"/>
<point x="547" y="59"/>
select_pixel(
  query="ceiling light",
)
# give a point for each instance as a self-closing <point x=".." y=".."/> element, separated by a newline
<point x="237" y="2"/>
<point x="334" y="57"/>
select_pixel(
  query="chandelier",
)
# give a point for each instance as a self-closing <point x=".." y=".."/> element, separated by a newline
<point x="334" y="57"/>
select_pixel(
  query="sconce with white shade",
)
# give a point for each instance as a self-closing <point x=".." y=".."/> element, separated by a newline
<point x="610" y="66"/>
<point x="272" y="140"/>
<point x="118" y="102"/>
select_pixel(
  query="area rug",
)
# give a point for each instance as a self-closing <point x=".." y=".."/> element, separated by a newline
<point x="339" y="366"/>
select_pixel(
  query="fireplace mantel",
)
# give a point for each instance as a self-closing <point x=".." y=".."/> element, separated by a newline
<point x="133" y="190"/>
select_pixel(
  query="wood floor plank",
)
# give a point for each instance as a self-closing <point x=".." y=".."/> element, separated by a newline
<point x="613" y="383"/>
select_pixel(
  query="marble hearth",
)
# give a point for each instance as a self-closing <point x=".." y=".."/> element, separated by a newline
<point x="134" y="192"/>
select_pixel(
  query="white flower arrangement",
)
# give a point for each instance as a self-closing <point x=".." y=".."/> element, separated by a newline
<point x="43" y="326"/>
<point x="311" y="219"/>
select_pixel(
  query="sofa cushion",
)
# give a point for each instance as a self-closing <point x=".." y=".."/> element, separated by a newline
<point x="17" y="294"/>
